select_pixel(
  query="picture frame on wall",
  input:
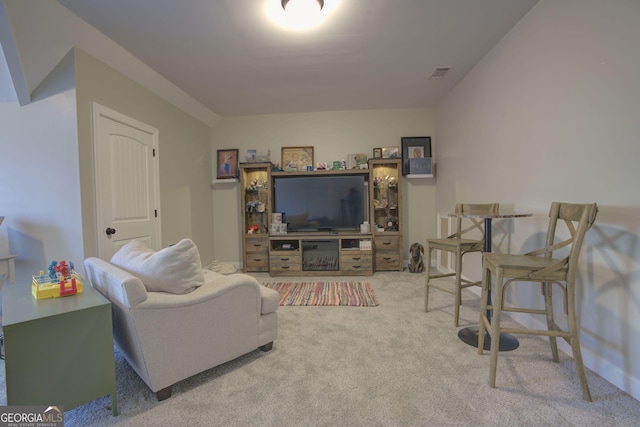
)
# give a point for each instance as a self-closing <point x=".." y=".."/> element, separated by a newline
<point x="252" y="156"/>
<point x="297" y="158"/>
<point x="390" y="152"/>
<point x="227" y="164"/>
<point x="356" y="161"/>
<point x="415" y="147"/>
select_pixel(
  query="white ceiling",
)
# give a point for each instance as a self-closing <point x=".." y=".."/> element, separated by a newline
<point x="366" y="54"/>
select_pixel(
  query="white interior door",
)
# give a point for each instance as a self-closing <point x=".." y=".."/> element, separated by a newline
<point x="127" y="191"/>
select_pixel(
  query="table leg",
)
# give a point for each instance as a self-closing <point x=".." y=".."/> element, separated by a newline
<point x="114" y="403"/>
<point x="469" y="335"/>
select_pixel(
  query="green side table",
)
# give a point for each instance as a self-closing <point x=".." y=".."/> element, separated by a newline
<point x="58" y="351"/>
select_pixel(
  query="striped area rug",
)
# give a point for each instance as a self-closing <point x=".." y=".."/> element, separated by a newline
<point x="355" y="294"/>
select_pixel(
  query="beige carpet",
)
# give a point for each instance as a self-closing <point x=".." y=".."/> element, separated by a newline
<point x="390" y="365"/>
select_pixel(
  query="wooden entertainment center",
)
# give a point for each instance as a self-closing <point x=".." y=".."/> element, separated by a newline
<point x="323" y="252"/>
<point x="320" y="253"/>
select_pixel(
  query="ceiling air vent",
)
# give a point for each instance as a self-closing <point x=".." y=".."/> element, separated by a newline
<point x="439" y="73"/>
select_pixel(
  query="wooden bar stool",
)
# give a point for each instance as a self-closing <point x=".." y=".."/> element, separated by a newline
<point x="541" y="267"/>
<point x="458" y="246"/>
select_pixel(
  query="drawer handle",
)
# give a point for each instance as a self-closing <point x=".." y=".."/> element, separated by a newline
<point x="256" y="245"/>
<point x="285" y="267"/>
<point x="356" y="258"/>
<point x="386" y="243"/>
<point x="257" y="259"/>
<point x="356" y="266"/>
<point x="386" y="259"/>
<point x="284" y="259"/>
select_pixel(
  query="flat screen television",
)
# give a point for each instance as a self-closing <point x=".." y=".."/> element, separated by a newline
<point x="321" y="202"/>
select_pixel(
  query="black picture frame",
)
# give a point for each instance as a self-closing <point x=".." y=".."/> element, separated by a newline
<point x="414" y="147"/>
<point x="228" y="164"/>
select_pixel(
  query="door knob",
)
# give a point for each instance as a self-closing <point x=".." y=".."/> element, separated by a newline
<point x="110" y="231"/>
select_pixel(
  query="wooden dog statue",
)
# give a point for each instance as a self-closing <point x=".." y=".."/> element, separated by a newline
<point x="416" y="264"/>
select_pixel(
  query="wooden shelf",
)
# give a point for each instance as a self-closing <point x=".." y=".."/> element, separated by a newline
<point x="265" y="252"/>
<point x="322" y="172"/>
<point x="419" y="176"/>
<point x="216" y="182"/>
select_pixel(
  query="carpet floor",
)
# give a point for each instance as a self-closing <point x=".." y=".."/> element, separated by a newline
<point x="390" y="365"/>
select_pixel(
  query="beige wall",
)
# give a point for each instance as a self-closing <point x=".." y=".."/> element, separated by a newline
<point x="50" y="203"/>
<point x="184" y="152"/>
<point x="551" y="114"/>
<point x="39" y="186"/>
<point x="333" y="135"/>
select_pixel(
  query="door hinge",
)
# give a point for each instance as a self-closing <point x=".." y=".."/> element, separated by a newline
<point x="156" y="212"/>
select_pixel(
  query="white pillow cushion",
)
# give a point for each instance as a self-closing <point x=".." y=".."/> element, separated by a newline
<point x="176" y="269"/>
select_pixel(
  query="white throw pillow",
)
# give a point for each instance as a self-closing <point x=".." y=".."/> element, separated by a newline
<point x="176" y="269"/>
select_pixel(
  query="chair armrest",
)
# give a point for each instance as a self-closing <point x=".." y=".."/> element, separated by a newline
<point x="270" y="300"/>
<point x="117" y="285"/>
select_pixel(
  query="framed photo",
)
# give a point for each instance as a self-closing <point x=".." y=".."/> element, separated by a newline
<point x="377" y="153"/>
<point x="297" y="158"/>
<point x="414" y="147"/>
<point x="252" y="156"/>
<point x="390" y="152"/>
<point x="227" y="164"/>
<point x="356" y="161"/>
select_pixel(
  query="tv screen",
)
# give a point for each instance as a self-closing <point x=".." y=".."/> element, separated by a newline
<point x="321" y="202"/>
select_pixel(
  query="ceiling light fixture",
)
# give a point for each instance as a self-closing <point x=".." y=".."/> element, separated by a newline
<point x="299" y="15"/>
<point x="307" y="4"/>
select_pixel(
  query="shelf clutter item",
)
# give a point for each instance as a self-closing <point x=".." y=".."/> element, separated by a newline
<point x="61" y="281"/>
<point x="222" y="267"/>
<point x="42" y="286"/>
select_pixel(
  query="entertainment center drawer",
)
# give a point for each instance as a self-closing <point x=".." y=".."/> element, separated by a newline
<point x="387" y="260"/>
<point x="362" y="263"/>
<point x="259" y="244"/>
<point x="279" y="263"/>
<point x="386" y="243"/>
<point x="258" y="261"/>
<point x="355" y="256"/>
<point x="256" y="257"/>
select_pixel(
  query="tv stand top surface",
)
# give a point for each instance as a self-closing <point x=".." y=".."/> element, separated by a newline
<point x="322" y="172"/>
<point x="321" y="235"/>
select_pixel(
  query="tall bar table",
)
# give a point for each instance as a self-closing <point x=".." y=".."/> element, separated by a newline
<point x="469" y="334"/>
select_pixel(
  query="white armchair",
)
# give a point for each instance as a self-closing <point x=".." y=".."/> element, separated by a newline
<point x="168" y="337"/>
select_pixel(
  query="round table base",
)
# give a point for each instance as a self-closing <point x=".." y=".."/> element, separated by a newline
<point x="470" y="336"/>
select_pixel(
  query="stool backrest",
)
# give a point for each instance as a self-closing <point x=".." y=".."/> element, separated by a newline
<point x="477" y="223"/>
<point x="578" y="218"/>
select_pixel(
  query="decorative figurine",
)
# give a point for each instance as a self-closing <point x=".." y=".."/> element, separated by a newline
<point x="63" y="269"/>
<point x="52" y="270"/>
<point x="416" y="264"/>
